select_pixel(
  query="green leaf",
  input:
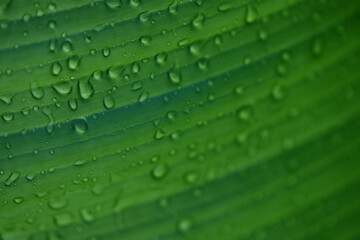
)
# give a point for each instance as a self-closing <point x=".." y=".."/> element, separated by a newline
<point x="179" y="119"/>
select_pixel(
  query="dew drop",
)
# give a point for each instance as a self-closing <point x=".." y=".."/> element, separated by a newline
<point x="159" y="171"/>
<point x="37" y="92"/>
<point x="12" y="178"/>
<point x="73" y="104"/>
<point x="174" y="76"/>
<point x="18" y="200"/>
<point x="184" y="225"/>
<point x="56" y="68"/>
<point x="143" y="97"/>
<point x="73" y="62"/>
<point x="109" y="102"/>
<point x="106" y="52"/>
<point x="66" y="46"/>
<point x="199" y="20"/>
<point x="112" y="4"/>
<point x="86" y="89"/>
<point x="8" y="116"/>
<point x="251" y="14"/>
<point x="80" y="125"/>
<point x="62" y="88"/>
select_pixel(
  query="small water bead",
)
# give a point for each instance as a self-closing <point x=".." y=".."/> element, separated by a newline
<point x="144" y="16"/>
<point x="183" y="42"/>
<point x="86" y="89"/>
<point x="184" y="225"/>
<point x="109" y="102"/>
<point x="317" y="47"/>
<point x="73" y="104"/>
<point x="199" y="20"/>
<point x="136" y="86"/>
<point x="26" y="17"/>
<point x="191" y="177"/>
<point x="106" y="52"/>
<point x="63" y="219"/>
<point x="56" y="68"/>
<point x="18" y="200"/>
<point x="245" y="113"/>
<point x="135" y="3"/>
<point x="174" y="76"/>
<point x="224" y="7"/>
<point x="202" y="64"/>
<point x="278" y="92"/>
<point x="159" y="171"/>
<point x="37" y="92"/>
<point x="12" y="178"/>
<point x="73" y="62"/>
<point x="159" y="134"/>
<point x="263" y="35"/>
<point x="143" y="97"/>
<point x="161" y="58"/>
<point x="67" y="46"/>
<point x="7" y="98"/>
<point x="52" y="6"/>
<point x="8" y="116"/>
<point x="145" y="40"/>
<point x="52" y="45"/>
<point x="62" y="88"/>
<point x="112" y="4"/>
<point x="251" y="14"/>
<point x="80" y="125"/>
<point x="281" y="69"/>
<point x="135" y="68"/>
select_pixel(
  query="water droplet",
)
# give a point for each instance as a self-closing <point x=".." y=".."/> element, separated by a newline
<point x="286" y="56"/>
<point x="86" y="89"/>
<point x="52" y="45"/>
<point x="245" y="113"/>
<point x="135" y="3"/>
<point x="183" y="42"/>
<point x="62" y="219"/>
<point x="262" y="35"/>
<point x="281" y="69"/>
<point x="112" y="4"/>
<point x="8" y="116"/>
<point x="57" y="203"/>
<point x="241" y="138"/>
<point x="67" y="46"/>
<point x="143" y="97"/>
<point x="73" y="104"/>
<point x="159" y="134"/>
<point x="52" y="24"/>
<point x="12" y="178"/>
<point x="277" y="93"/>
<point x="184" y="225"/>
<point x="199" y="2"/>
<point x="161" y="58"/>
<point x="86" y="215"/>
<point x="136" y="86"/>
<point x="224" y="7"/>
<point x="239" y="90"/>
<point x="80" y="125"/>
<point x="7" y="98"/>
<point x="62" y="88"/>
<point x="106" y="52"/>
<point x="317" y="48"/>
<point x="251" y="14"/>
<point x="173" y="7"/>
<point x="18" y="200"/>
<point x="56" y="68"/>
<point x="199" y="20"/>
<point x="145" y="40"/>
<point x="73" y="62"/>
<point x="144" y="16"/>
<point x="174" y="76"/>
<point x="191" y="177"/>
<point x="109" y="102"/>
<point x="37" y="92"/>
<point x="31" y="176"/>
<point x="159" y="171"/>
<point x="135" y="68"/>
<point x="202" y="64"/>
